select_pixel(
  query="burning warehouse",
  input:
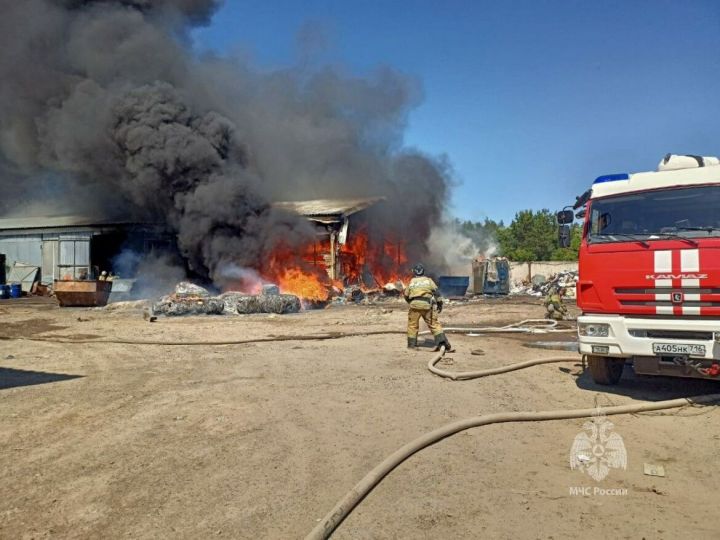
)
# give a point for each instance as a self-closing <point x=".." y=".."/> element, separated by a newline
<point x="339" y="254"/>
<point x="332" y="219"/>
<point x="344" y="247"/>
<point x="203" y="147"/>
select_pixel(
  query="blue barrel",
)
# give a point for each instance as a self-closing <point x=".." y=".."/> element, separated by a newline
<point x="4" y="292"/>
<point x="15" y="290"/>
<point x="453" y="285"/>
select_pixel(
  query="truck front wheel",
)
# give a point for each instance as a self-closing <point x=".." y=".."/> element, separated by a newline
<point x="605" y="370"/>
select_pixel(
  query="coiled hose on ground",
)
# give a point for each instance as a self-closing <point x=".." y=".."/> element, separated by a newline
<point x="327" y="525"/>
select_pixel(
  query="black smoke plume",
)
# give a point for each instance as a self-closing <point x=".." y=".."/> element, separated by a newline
<point x="105" y="108"/>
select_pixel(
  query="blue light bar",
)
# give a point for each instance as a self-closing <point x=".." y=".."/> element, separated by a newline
<point x="611" y="178"/>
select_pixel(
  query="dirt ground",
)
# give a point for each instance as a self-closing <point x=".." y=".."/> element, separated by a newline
<point x="261" y="440"/>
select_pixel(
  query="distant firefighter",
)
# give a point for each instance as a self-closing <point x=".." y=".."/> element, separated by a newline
<point x="425" y="303"/>
<point x="555" y="309"/>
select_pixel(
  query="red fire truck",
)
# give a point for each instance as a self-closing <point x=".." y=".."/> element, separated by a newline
<point x="649" y="283"/>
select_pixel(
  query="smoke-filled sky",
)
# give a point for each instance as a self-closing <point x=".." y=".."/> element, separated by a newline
<point x="105" y="109"/>
<point x="530" y="99"/>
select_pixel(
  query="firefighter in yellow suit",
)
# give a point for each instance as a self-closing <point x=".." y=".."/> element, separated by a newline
<point x="554" y="304"/>
<point x="425" y="303"/>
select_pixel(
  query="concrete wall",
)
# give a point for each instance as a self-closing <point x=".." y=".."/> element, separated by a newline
<point x="520" y="272"/>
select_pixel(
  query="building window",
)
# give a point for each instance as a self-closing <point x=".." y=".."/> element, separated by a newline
<point x="74" y="259"/>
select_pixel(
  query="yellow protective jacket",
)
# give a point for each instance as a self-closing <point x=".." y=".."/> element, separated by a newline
<point x="556" y="302"/>
<point x="421" y="293"/>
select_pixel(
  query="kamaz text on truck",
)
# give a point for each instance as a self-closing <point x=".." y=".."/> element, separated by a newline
<point x="649" y="271"/>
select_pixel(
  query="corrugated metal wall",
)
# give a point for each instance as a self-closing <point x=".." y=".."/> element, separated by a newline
<point x="24" y="248"/>
<point x="57" y="254"/>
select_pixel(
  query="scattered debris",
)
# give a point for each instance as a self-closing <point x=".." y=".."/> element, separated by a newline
<point x="541" y="285"/>
<point x="354" y="294"/>
<point x="393" y="289"/>
<point x="24" y="273"/>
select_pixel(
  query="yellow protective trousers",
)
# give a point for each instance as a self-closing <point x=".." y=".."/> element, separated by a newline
<point x="429" y="315"/>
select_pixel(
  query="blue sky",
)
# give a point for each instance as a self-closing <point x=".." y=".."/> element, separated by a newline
<point x="530" y="100"/>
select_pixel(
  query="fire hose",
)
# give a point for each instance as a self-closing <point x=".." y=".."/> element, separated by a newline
<point x="526" y="326"/>
<point x="327" y="525"/>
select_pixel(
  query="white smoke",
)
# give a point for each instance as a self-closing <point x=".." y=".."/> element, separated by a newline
<point x="453" y="252"/>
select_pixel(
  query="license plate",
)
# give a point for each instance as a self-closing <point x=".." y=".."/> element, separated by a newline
<point x="678" y="348"/>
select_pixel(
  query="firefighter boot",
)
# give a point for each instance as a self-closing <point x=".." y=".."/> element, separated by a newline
<point x="412" y="343"/>
<point x="440" y="340"/>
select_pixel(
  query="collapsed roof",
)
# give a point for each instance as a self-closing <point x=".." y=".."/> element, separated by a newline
<point x="329" y="210"/>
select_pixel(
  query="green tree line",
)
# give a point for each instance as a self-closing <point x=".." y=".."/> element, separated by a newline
<point x="531" y="236"/>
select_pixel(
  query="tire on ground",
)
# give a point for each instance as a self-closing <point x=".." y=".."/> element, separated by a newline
<point x="605" y="370"/>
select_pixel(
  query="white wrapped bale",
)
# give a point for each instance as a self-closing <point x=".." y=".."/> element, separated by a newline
<point x="185" y="289"/>
<point x="274" y="303"/>
<point x="230" y="299"/>
<point x="175" y="307"/>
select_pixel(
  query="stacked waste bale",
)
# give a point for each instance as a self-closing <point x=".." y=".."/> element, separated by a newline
<point x="189" y="299"/>
<point x="268" y="303"/>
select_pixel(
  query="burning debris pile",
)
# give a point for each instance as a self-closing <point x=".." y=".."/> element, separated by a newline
<point x="207" y="146"/>
<point x="540" y="285"/>
<point x="191" y="299"/>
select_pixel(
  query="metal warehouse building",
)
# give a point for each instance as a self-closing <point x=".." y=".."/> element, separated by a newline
<point x="77" y="247"/>
<point x="74" y="246"/>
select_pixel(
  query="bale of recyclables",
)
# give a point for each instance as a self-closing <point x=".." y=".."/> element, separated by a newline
<point x="230" y="299"/>
<point x="270" y="303"/>
<point x="173" y="306"/>
<point x="185" y="289"/>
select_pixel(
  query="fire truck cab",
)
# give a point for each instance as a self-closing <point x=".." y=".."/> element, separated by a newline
<point x="649" y="271"/>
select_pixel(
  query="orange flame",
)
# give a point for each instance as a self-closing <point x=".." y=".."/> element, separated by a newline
<point x="373" y="264"/>
<point x="361" y="262"/>
<point x="305" y="286"/>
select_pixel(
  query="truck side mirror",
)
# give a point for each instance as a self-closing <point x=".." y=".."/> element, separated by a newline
<point x="564" y="236"/>
<point x="565" y="217"/>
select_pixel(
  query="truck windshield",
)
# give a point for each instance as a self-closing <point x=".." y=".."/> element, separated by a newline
<point x="691" y="212"/>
